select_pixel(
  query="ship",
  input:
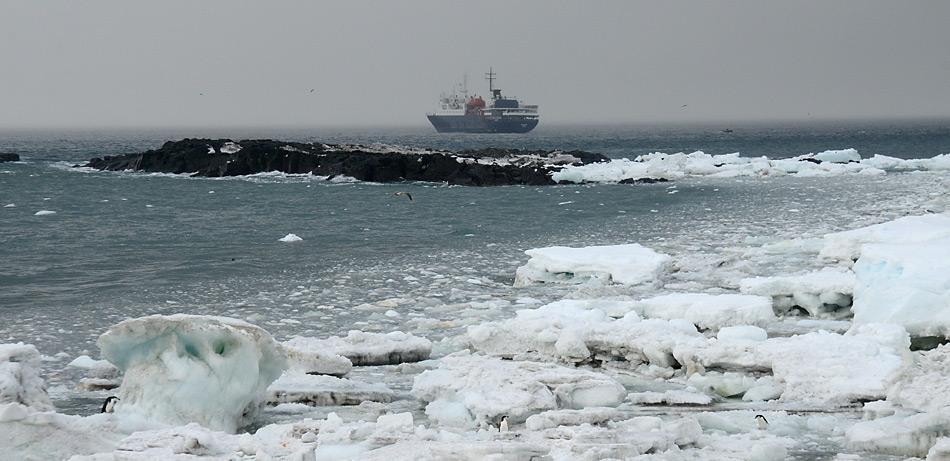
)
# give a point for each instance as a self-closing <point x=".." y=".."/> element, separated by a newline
<point x="461" y="113"/>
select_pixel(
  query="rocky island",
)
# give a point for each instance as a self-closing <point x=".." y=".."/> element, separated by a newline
<point x="225" y="157"/>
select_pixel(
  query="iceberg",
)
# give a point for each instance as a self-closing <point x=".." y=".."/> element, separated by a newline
<point x="182" y="368"/>
<point x="630" y="264"/>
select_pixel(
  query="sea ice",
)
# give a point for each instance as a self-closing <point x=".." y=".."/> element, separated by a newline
<point x="925" y="384"/>
<point x="318" y="390"/>
<point x="846" y="245"/>
<point x="188" y="368"/>
<point x="900" y="434"/>
<point x="290" y="238"/>
<point x="44" y="213"/>
<point x="306" y="356"/>
<point x="365" y="348"/>
<point x="568" y="331"/>
<point x="467" y="390"/>
<point x="624" y="264"/>
<point x="20" y="380"/>
<point x="817" y="293"/>
<point x="27" y="434"/>
<point x="101" y="369"/>
<point x="709" y="312"/>
<point x="905" y="284"/>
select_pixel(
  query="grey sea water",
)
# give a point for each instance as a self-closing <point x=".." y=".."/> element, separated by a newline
<point x="128" y="244"/>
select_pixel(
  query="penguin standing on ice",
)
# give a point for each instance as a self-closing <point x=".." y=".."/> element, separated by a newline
<point x="761" y="422"/>
<point x="109" y="405"/>
<point x="503" y="425"/>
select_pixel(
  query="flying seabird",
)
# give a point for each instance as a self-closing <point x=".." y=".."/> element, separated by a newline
<point x="400" y="194"/>
<point x="762" y="422"/>
<point x="109" y="405"/>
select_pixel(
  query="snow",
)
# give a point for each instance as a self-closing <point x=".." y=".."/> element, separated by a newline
<point x="905" y="284"/>
<point x="821" y="292"/>
<point x="470" y="389"/>
<point x="189" y="368"/>
<point x="819" y="368"/>
<point x="900" y="435"/>
<point x="709" y="312"/>
<point x="44" y="213"/>
<point x="290" y="238"/>
<point x="20" y="380"/>
<point x="846" y="245"/>
<point x="366" y="348"/>
<point x="319" y="390"/>
<point x="741" y="333"/>
<point x="554" y="418"/>
<point x="624" y="264"/>
<point x="230" y="147"/>
<point x="925" y="384"/>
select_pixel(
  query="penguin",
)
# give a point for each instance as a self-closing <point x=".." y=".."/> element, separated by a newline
<point x="503" y="425"/>
<point x="762" y="422"/>
<point x="109" y="405"/>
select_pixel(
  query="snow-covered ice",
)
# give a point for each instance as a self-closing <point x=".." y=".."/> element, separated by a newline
<point x="846" y="245"/>
<point x="367" y="348"/>
<point x="321" y="390"/>
<point x="20" y="379"/>
<point x="466" y="390"/>
<point x="828" y="291"/>
<point x="309" y="356"/>
<point x="624" y="264"/>
<point x="189" y="368"/>
<point x="905" y="284"/>
<point x="709" y="312"/>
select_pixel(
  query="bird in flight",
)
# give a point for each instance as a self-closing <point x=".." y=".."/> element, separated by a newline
<point x="400" y="194"/>
<point x="311" y="90"/>
<point x="683" y="106"/>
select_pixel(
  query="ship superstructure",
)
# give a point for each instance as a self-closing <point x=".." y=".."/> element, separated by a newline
<point x="461" y="113"/>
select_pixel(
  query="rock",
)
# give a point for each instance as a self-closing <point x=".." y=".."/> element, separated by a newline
<point x="9" y="157"/>
<point x="224" y="157"/>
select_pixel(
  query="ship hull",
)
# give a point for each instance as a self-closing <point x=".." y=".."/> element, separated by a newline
<point x="481" y="124"/>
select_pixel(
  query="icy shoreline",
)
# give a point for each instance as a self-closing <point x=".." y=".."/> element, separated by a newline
<point x="567" y="377"/>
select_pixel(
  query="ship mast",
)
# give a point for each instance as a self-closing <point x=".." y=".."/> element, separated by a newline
<point x="490" y="76"/>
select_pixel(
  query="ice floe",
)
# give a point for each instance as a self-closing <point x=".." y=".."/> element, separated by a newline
<point x="625" y="264"/>
<point x="709" y="312"/>
<point x="825" y="292"/>
<point x="20" y="380"/>
<point x="467" y="390"/>
<point x="187" y="368"/>
<point x="44" y="213"/>
<point x="318" y="390"/>
<point x="846" y="245"/>
<point x="366" y="348"/>
<point x="905" y="284"/>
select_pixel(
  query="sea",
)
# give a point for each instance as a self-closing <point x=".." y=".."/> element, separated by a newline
<point x="123" y="244"/>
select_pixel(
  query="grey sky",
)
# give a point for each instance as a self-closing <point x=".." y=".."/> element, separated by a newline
<point x="119" y="63"/>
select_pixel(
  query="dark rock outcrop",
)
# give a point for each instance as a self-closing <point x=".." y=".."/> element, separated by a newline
<point x="223" y="157"/>
<point x="9" y="157"/>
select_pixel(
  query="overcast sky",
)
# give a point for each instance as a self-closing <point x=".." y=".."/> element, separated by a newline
<point x="235" y="63"/>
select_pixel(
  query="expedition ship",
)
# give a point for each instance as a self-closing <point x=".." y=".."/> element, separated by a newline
<point x="461" y="113"/>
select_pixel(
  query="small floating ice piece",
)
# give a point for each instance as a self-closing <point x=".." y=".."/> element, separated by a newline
<point x="846" y="246"/>
<point x="624" y="264"/>
<point x="10" y="205"/>
<point x="290" y="238"/>
<point x="44" y="213"/>
<point x="96" y="368"/>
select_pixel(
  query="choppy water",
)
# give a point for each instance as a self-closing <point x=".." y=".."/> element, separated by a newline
<point x="123" y="245"/>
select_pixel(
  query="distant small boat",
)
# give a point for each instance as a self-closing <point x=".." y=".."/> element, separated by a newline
<point x="727" y="130"/>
